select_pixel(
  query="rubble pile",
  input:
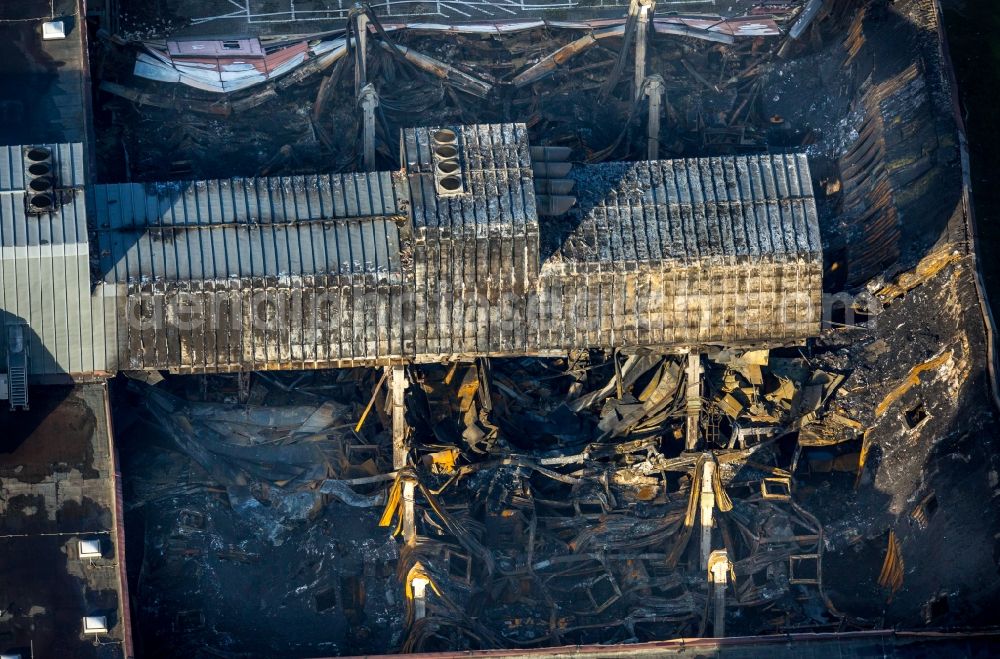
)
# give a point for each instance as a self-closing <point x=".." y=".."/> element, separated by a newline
<point x="554" y="506"/>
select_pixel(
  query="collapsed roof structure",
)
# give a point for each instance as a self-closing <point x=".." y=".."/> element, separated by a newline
<point x="455" y="327"/>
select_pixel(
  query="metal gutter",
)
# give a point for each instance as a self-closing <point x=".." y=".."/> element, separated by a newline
<point x="692" y="646"/>
<point x="119" y="532"/>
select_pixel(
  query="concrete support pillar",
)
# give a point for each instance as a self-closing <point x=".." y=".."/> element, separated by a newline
<point x="360" y="19"/>
<point x="644" y="9"/>
<point x="419" y="586"/>
<point x="718" y="576"/>
<point x="707" y="510"/>
<point x="409" y="514"/>
<point x="397" y="392"/>
<point x="693" y="398"/>
<point x="369" y="101"/>
<point x="654" y="92"/>
<point x="400" y="448"/>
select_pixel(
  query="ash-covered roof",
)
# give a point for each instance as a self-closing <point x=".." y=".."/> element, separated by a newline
<point x="693" y="209"/>
<point x="58" y="487"/>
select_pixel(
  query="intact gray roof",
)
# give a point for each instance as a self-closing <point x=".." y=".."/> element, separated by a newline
<point x="278" y="226"/>
<point x="45" y="268"/>
<point x="67" y="159"/>
<point x="693" y="209"/>
<point x="67" y="224"/>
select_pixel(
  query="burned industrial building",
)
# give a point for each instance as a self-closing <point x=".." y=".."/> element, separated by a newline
<point x="491" y="329"/>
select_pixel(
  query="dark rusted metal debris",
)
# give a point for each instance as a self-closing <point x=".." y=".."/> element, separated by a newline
<point x="590" y="529"/>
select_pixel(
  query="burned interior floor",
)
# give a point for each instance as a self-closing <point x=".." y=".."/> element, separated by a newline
<point x="611" y="495"/>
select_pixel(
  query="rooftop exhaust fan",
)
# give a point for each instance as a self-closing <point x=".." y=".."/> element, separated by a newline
<point x="447" y="169"/>
<point x="39" y="183"/>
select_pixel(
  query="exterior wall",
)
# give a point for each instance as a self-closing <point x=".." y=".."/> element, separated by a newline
<point x="474" y="295"/>
<point x="600" y="305"/>
<point x="265" y="323"/>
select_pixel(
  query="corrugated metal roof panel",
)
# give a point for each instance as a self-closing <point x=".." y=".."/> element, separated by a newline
<point x="45" y="268"/>
<point x="679" y="252"/>
<point x="283" y="199"/>
<point x="496" y="170"/>
<point x="67" y="162"/>
<point x="264" y="227"/>
<point x="691" y="209"/>
<point x="475" y="253"/>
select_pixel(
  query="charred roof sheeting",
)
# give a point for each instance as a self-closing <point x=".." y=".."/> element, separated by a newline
<point x="496" y="165"/>
<point x="475" y="253"/>
<point x="685" y="252"/>
<point x="267" y="227"/>
<point x="265" y="323"/>
<point x="695" y="209"/>
<point x="341" y="270"/>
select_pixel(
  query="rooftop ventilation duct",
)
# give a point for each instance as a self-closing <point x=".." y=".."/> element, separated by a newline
<point x="39" y="180"/>
<point x="549" y="166"/>
<point x="448" y="179"/>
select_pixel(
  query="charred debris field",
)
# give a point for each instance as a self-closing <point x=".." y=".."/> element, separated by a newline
<point x="839" y="481"/>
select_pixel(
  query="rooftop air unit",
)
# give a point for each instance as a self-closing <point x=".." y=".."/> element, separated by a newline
<point x="53" y="30"/>
<point x="89" y="548"/>
<point x="95" y="625"/>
